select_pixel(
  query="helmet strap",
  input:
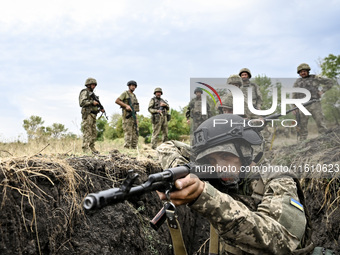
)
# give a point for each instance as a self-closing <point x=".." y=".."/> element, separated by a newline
<point x="245" y="161"/>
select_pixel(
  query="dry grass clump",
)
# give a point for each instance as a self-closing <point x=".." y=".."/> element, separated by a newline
<point x="71" y="146"/>
<point x="320" y="153"/>
<point x="26" y="174"/>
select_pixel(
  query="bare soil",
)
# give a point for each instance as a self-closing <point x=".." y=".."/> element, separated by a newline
<point x="41" y="204"/>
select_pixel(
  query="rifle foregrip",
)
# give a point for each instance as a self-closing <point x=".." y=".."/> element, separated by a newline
<point x="179" y="172"/>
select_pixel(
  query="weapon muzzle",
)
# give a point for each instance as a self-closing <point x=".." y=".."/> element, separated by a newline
<point x="90" y="202"/>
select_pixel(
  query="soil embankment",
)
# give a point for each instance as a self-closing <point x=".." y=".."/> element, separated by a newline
<point x="41" y="204"/>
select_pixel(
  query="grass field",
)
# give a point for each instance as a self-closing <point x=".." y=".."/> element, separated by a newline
<point x="71" y="147"/>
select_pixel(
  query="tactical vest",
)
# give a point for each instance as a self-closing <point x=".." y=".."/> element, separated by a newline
<point x="244" y="89"/>
<point x="134" y="102"/>
<point x="85" y="110"/>
<point x="196" y="111"/>
<point x="157" y="104"/>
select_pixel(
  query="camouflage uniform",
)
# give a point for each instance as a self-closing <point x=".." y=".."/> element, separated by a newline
<point x="257" y="103"/>
<point x="245" y="224"/>
<point x="272" y="227"/>
<point x="256" y="93"/>
<point x="129" y="125"/>
<point x="159" y="120"/>
<point x="312" y="83"/>
<point x="89" y="115"/>
<point x="195" y="112"/>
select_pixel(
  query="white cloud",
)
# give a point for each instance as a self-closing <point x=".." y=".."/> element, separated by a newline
<point x="49" y="48"/>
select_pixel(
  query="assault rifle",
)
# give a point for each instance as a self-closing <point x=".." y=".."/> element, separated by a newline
<point x="133" y="114"/>
<point x="163" y="181"/>
<point x="161" y="108"/>
<point x="101" y="107"/>
<point x="278" y="115"/>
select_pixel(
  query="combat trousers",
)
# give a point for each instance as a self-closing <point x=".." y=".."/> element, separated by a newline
<point x="130" y="134"/>
<point x="316" y="111"/>
<point x="89" y="131"/>
<point x="161" y="125"/>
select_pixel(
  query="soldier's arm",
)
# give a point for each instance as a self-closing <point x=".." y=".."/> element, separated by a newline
<point x="187" y="114"/>
<point x="190" y="107"/>
<point x="84" y="100"/>
<point x="326" y="83"/>
<point x="165" y="104"/>
<point x="151" y="105"/>
<point x="120" y="102"/>
<point x="275" y="228"/>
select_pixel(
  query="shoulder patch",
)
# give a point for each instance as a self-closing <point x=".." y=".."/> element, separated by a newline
<point x="297" y="204"/>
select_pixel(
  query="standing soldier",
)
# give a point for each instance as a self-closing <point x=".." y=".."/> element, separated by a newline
<point x="89" y="111"/>
<point x="245" y="75"/>
<point x="159" y="110"/>
<point x="311" y="83"/>
<point x="195" y="110"/>
<point x="130" y="106"/>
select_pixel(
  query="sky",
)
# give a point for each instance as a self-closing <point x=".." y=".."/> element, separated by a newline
<point x="49" y="48"/>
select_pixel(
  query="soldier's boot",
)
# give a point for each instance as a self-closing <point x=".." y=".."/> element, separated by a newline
<point x="85" y="150"/>
<point x="94" y="151"/>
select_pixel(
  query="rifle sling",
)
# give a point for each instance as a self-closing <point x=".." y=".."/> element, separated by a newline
<point x="176" y="233"/>
<point x="213" y="243"/>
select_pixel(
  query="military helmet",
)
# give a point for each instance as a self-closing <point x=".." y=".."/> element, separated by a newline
<point x="132" y="82"/>
<point x="90" y="81"/>
<point x="235" y="79"/>
<point x="227" y="101"/>
<point x="198" y="90"/>
<point x="225" y="133"/>
<point x="245" y="70"/>
<point x="303" y="66"/>
<point x="158" y="90"/>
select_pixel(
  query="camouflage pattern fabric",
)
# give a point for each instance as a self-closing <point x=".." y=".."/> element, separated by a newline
<point x="195" y="112"/>
<point x="130" y="135"/>
<point x="89" y="129"/>
<point x="159" y="120"/>
<point x="267" y="133"/>
<point x="129" y="126"/>
<point x="88" y="126"/>
<point x="312" y="83"/>
<point x="274" y="226"/>
<point x="173" y="153"/>
<point x="316" y="111"/>
<point x="256" y="93"/>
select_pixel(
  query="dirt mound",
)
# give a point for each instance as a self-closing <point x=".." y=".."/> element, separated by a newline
<point x="41" y="204"/>
<point x="322" y="194"/>
<point x="41" y="208"/>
